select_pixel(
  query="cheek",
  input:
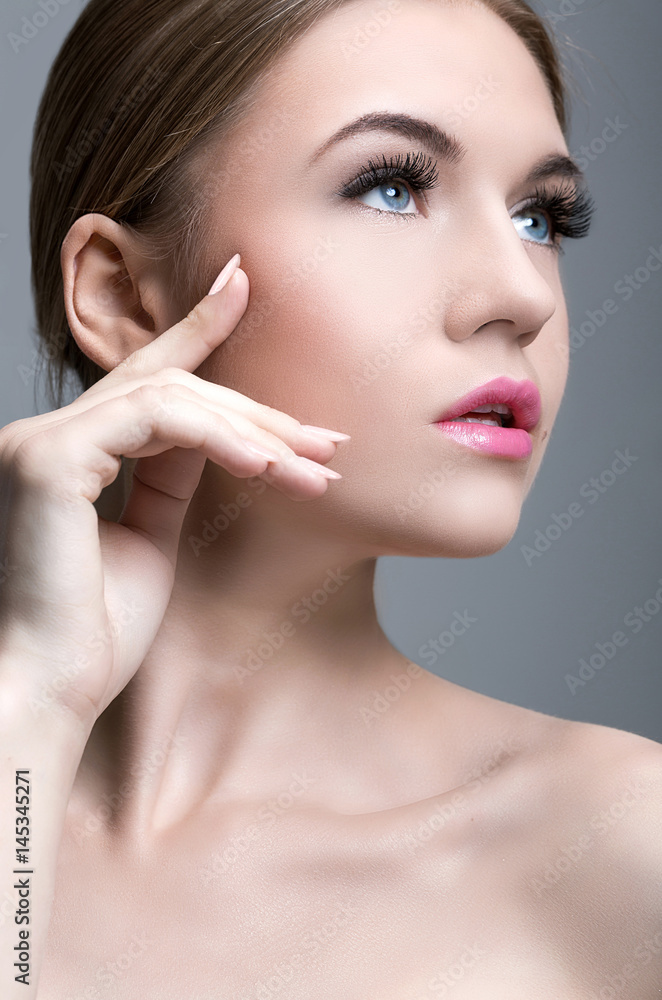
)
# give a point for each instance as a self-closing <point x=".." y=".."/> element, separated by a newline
<point x="322" y="318"/>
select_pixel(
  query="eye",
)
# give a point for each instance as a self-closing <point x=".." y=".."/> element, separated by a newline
<point x="392" y="194"/>
<point x="389" y="185"/>
<point x="532" y="224"/>
<point x="553" y="214"/>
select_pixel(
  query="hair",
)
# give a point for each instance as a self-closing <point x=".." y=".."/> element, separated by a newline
<point x="136" y="94"/>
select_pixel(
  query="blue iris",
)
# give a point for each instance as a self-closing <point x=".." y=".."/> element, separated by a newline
<point x="534" y="226"/>
<point x="395" y="196"/>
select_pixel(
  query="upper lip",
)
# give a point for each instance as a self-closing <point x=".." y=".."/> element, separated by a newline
<point x="522" y="398"/>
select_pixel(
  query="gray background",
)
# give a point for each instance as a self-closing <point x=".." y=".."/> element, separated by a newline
<point x="534" y="622"/>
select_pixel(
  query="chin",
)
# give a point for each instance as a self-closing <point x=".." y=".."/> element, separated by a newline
<point x="477" y="517"/>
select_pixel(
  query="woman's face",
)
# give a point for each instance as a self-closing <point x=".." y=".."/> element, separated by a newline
<point x="373" y="314"/>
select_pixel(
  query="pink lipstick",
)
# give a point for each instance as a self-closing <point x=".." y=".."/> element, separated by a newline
<point x="495" y="418"/>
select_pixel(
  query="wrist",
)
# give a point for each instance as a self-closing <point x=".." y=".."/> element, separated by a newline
<point x="36" y="716"/>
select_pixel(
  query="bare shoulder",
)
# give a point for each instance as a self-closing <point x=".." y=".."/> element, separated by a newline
<point x="599" y="834"/>
<point x="577" y="782"/>
<point x="601" y="760"/>
<point x="596" y="754"/>
<point x="586" y="851"/>
<point x="609" y="776"/>
<point x="621" y="773"/>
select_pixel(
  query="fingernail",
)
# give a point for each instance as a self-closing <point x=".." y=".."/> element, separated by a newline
<point x="264" y="452"/>
<point x="331" y="435"/>
<point x="322" y="469"/>
<point x="225" y="274"/>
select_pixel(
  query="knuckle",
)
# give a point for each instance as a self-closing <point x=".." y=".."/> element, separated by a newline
<point x="172" y="374"/>
<point x="156" y="401"/>
<point x="29" y="457"/>
<point x="189" y="323"/>
<point x="11" y="432"/>
<point x="126" y="367"/>
<point x="150" y="395"/>
<point x="266" y="409"/>
<point x="278" y="418"/>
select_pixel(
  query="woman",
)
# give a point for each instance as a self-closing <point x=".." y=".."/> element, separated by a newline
<point x="216" y="807"/>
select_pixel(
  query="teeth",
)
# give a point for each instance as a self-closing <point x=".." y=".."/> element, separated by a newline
<point x="476" y="420"/>
<point x="493" y="408"/>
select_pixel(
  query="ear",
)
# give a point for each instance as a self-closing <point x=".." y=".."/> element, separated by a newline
<point x="111" y="291"/>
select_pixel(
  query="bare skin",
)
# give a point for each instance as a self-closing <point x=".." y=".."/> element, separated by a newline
<point x="524" y="872"/>
<point x="432" y="823"/>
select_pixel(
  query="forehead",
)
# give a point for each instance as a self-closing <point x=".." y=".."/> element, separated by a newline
<point x="457" y="63"/>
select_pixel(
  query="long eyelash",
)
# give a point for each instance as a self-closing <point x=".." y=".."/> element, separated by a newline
<point x="418" y="170"/>
<point x="570" y="210"/>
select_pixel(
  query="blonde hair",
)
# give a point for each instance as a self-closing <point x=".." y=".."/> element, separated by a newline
<point x="136" y="93"/>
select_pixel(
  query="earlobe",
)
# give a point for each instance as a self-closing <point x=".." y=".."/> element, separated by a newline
<point x="105" y="287"/>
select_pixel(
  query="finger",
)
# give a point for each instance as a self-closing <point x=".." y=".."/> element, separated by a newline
<point x="187" y="343"/>
<point x="255" y="421"/>
<point x="161" y="490"/>
<point x="145" y="423"/>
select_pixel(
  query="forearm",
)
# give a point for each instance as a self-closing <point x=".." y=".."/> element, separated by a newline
<point x="39" y="757"/>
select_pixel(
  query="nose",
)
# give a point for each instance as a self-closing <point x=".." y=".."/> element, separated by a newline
<point x="498" y="282"/>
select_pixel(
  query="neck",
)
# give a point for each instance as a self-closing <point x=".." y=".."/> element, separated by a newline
<point x="264" y="671"/>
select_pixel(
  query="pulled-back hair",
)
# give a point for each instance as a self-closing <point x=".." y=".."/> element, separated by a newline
<point x="137" y="91"/>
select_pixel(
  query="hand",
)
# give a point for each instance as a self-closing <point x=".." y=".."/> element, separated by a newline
<point x="73" y="578"/>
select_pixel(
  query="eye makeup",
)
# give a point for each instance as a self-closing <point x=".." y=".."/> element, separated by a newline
<point x="569" y="208"/>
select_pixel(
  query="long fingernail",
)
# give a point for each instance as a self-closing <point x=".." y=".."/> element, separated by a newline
<point x="322" y="469"/>
<point x="331" y="435"/>
<point x="225" y="274"/>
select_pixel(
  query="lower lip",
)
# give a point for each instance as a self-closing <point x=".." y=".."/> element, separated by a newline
<point x="507" y="442"/>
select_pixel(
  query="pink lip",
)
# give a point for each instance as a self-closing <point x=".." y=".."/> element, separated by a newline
<point x="522" y="398"/>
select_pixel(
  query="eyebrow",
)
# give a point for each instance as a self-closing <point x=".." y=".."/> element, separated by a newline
<point x="555" y="165"/>
<point x="430" y="136"/>
<point x="440" y="143"/>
